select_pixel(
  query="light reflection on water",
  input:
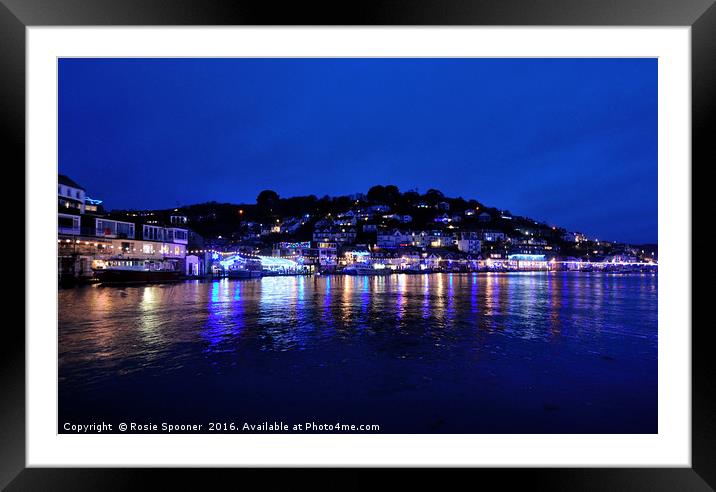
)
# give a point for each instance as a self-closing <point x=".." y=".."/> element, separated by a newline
<point x="507" y="331"/>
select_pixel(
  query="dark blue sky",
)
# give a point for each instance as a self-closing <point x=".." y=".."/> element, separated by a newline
<point x="569" y="141"/>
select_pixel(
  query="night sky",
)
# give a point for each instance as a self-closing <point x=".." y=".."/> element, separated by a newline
<point x="572" y="142"/>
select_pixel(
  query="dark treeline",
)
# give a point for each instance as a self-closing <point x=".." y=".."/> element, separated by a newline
<point x="231" y="220"/>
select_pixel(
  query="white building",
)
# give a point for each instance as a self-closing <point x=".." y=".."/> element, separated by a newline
<point x="394" y="238"/>
<point x="340" y="235"/>
<point x="490" y="236"/>
<point x="70" y="195"/>
<point x="327" y="254"/>
<point x="467" y="242"/>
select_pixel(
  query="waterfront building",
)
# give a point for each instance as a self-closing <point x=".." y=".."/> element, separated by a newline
<point x="432" y="261"/>
<point x="386" y="259"/>
<point x="456" y="262"/>
<point x="570" y="263"/>
<point x="193" y="265"/>
<point x="79" y="255"/>
<point x="300" y="252"/>
<point x="495" y="261"/>
<point x="70" y="195"/>
<point x="528" y="262"/>
<point x="621" y="258"/>
<point x="532" y="246"/>
<point x="86" y="241"/>
<point x="327" y="255"/>
<point x="356" y="256"/>
<point x="410" y="259"/>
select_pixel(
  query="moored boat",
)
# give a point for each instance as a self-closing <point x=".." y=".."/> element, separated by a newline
<point x="129" y="271"/>
<point x="366" y="270"/>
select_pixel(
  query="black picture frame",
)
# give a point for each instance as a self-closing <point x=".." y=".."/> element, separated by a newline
<point x="16" y="15"/>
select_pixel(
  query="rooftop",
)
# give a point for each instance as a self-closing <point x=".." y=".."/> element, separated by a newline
<point x="64" y="180"/>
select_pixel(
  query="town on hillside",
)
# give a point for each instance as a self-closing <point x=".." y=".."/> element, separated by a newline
<point x="379" y="232"/>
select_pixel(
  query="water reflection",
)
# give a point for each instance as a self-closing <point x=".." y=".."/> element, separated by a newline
<point x="105" y="332"/>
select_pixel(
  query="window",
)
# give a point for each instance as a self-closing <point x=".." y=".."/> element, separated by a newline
<point x="124" y="229"/>
<point x="153" y="233"/>
<point x="106" y="228"/>
<point x="64" y="222"/>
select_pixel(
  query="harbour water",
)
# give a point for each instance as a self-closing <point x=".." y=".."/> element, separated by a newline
<point x="556" y="352"/>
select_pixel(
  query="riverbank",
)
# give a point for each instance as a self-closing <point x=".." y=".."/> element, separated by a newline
<point x="64" y="284"/>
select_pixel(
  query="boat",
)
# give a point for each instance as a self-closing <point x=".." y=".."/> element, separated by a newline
<point x="247" y="269"/>
<point x="366" y="270"/>
<point x="135" y="271"/>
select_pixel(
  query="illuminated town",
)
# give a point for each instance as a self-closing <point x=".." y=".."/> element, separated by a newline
<point x="432" y="245"/>
<point x="380" y="232"/>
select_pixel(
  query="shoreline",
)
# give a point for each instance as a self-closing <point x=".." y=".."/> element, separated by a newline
<point x="212" y="278"/>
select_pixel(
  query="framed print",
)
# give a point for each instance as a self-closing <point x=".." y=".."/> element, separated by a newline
<point x="416" y="236"/>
